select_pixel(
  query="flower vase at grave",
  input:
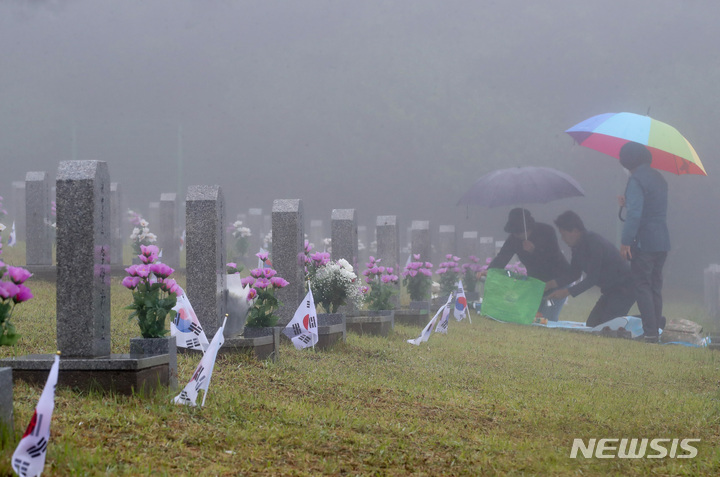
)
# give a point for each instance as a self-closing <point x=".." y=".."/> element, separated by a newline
<point x="149" y="347"/>
<point x="260" y="342"/>
<point x="371" y="322"/>
<point x="418" y="314"/>
<point x="6" y="404"/>
<point x="331" y="329"/>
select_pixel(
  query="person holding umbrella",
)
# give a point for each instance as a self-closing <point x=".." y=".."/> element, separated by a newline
<point x="645" y="239"/>
<point x="536" y="245"/>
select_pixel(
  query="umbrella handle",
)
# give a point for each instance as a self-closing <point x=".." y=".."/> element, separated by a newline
<point x="620" y="213"/>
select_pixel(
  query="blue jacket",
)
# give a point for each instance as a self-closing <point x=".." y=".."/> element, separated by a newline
<point x="646" y="197"/>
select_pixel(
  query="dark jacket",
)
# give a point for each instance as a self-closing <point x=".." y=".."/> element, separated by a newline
<point x="646" y="197"/>
<point x="602" y="264"/>
<point x="545" y="263"/>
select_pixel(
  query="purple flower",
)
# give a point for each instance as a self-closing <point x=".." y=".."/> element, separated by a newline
<point x="142" y="271"/>
<point x="279" y="282"/>
<point x="269" y="272"/>
<point x="231" y="265"/>
<point x="8" y="290"/>
<point x="161" y="270"/>
<point x="132" y="270"/>
<point x="440" y="271"/>
<point x="252" y="293"/>
<point x="426" y="272"/>
<point x="149" y="250"/>
<point x="18" y="275"/>
<point x="368" y="280"/>
<point x="131" y="282"/>
<point x="262" y="283"/>
<point x="171" y="286"/>
<point x="257" y="273"/>
<point x="416" y="256"/>
<point x="262" y="256"/>
<point x="247" y="281"/>
<point x="23" y="294"/>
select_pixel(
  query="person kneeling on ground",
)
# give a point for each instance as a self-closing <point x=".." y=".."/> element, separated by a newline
<point x="537" y="247"/>
<point x="603" y="266"/>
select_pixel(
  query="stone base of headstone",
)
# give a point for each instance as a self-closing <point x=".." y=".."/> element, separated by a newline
<point x="6" y="405"/>
<point x="43" y="272"/>
<point x="714" y="342"/>
<point x="145" y="347"/>
<point x="261" y="343"/>
<point x="371" y="322"/>
<point x="413" y="317"/>
<point x="332" y="329"/>
<point x="117" y="373"/>
<point x="680" y="330"/>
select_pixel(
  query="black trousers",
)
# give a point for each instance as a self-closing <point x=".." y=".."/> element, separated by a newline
<point x="646" y="268"/>
<point x="611" y="304"/>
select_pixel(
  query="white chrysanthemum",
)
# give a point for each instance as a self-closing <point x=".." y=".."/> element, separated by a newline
<point x="244" y="232"/>
<point x="2" y="227"/>
<point x="152" y="237"/>
<point x="237" y="224"/>
<point x="144" y="223"/>
<point x="326" y="241"/>
<point x="345" y="264"/>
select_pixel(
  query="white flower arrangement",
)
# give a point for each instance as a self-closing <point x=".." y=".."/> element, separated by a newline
<point x="141" y="235"/>
<point x="334" y="284"/>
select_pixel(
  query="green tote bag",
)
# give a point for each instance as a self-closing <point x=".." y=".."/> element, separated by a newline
<point x="511" y="299"/>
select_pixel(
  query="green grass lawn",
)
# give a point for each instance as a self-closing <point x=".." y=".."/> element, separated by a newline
<point x="487" y="399"/>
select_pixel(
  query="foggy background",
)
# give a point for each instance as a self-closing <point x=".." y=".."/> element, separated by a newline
<point x="390" y="107"/>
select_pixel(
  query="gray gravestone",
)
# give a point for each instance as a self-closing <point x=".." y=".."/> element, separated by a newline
<point x="255" y="223"/>
<point x="469" y="244"/>
<point x="388" y="242"/>
<point x="168" y="237"/>
<point x="317" y="234"/>
<point x="420" y="239"/>
<point x="116" y="224"/>
<point x="287" y="247"/>
<point x="344" y="236"/>
<point x="447" y="242"/>
<point x="205" y="249"/>
<point x="18" y="210"/>
<point x="498" y="246"/>
<point x="153" y="217"/>
<point x="487" y="249"/>
<point x="388" y="247"/>
<point x="711" y="277"/>
<point x="363" y="245"/>
<point x="38" y="249"/>
<point x="6" y="404"/>
<point x="83" y="261"/>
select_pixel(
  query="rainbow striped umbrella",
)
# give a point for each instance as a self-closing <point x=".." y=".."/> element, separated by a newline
<point x="609" y="132"/>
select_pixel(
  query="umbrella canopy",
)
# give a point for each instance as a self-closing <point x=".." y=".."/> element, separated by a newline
<point x="521" y="185"/>
<point x="609" y="132"/>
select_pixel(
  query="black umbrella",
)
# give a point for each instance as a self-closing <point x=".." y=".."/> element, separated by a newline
<point x="520" y="186"/>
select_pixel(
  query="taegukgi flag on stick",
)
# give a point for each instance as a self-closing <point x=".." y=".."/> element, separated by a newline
<point x="442" y="325"/>
<point x="186" y="327"/>
<point x="201" y="377"/>
<point x="29" y="456"/>
<point x="427" y="331"/>
<point x="461" y="307"/>
<point x="12" y="240"/>
<point x="303" y="329"/>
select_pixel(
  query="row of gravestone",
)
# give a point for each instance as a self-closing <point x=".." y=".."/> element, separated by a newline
<point x="35" y="193"/>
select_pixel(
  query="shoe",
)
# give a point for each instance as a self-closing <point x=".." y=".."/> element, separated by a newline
<point x="651" y="339"/>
